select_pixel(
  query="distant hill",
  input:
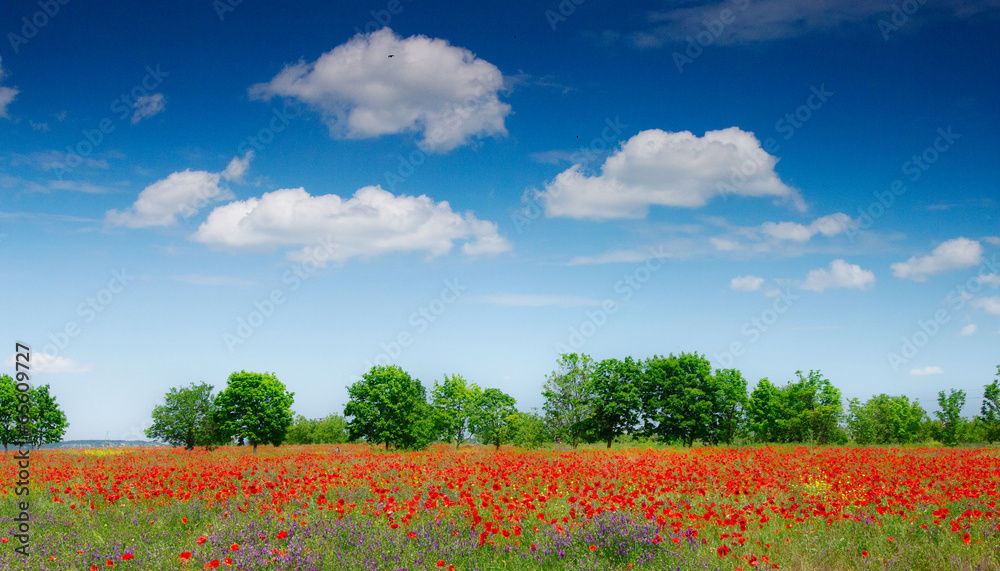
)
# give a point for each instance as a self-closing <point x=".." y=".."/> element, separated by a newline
<point x="101" y="444"/>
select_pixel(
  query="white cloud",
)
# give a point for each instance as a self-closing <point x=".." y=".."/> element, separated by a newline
<point x="968" y="330"/>
<point x="7" y="95"/>
<point x="621" y="256"/>
<point x="39" y="125"/>
<point x="840" y="275"/>
<point x="197" y="279"/>
<point x="237" y="167"/>
<point x="951" y="255"/>
<point x="746" y="283"/>
<point x="927" y="371"/>
<point x="657" y="167"/>
<point x="147" y="106"/>
<point x="51" y="160"/>
<point x="78" y="186"/>
<point x="995" y="240"/>
<point x="724" y="244"/>
<point x="991" y="279"/>
<point x="370" y="223"/>
<point x="380" y="83"/>
<point x="180" y="194"/>
<point x="45" y="363"/>
<point x="988" y="304"/>
<point x="539" y="300"/>
<point x="829" y="225"/>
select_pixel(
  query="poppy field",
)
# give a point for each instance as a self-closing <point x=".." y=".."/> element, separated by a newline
<point x="353" y="507"/>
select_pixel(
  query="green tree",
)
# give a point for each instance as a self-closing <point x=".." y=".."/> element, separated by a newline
<point x="532" y="430"/>
<point x="8" y="411"/>
<point x="568" y="393"/>
<point x="186" y="417"/>
<point x="389" y="407"/>
<point x="730" y="404"/>
<point x="494" y="417"/>
<point x="254" y="407"/>
<point x="47" y="421"/>
<point x="950" y="415"/>
<point x="680" y="398"/>
<point x="990" y="410"/>
<point x="301" y="430"/>
<point x="765" y="411"/>
<point x="615" y="399"/>
<point x="885" y="419"/>
<point x="329" y="430"/>
<point x="452" y="404"/>
<point x="813" y="409"/>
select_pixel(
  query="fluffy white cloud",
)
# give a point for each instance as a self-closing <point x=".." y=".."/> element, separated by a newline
<point x="968" y="329"/>
<point x="147" y="106"/>
<point x="829" y="225"/>
<point x="379" y="83"/>
<point x="180" y="194"/>
<point x="927" y="371"/>
<point x="657" y="167"/>
<point x="7" y="95"/>
<point x="951" y="255"/>
<point x="539" y="300"/>
<point x="370" y="223"/>
<point x="746" y="283"/>
<point x="840" y="275"/>
<point x="988" y="304"/>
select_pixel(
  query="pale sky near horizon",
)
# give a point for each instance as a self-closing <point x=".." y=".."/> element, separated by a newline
<point x="189" y="189"/>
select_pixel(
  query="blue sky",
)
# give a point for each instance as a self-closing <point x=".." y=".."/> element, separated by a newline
<point x="191" y="189"/>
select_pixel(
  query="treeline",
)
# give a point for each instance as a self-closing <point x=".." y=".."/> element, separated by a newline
<point x="45" y="421"/>
<point x="669" y="399"/>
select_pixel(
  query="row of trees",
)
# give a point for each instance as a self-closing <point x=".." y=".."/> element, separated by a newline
<point x="254" y="408"/>
<point x="388" y="406"/>
<point x="46" y="421"/>
<point x="674" y="398"/>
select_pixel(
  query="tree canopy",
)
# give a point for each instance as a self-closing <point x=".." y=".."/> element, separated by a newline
<point x="186" y="417"/>
<point x="389" y="407"/>
<point x="254" y="407"/>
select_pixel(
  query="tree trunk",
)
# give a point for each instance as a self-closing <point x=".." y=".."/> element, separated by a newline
<point x="254" y="447"/>
<point x="610" y="438"/>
